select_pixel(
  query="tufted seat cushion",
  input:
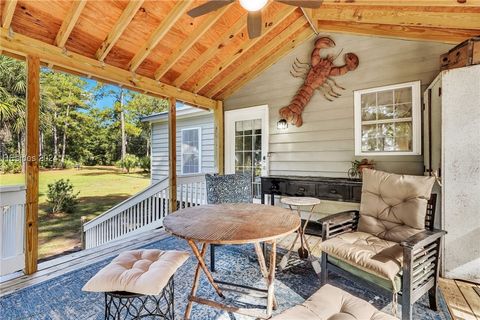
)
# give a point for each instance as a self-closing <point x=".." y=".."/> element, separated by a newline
<point x="138" y="271"/>
<point x="331" y="303"/>
<point x="366" y="252"/>
<point x="393" y="207"/>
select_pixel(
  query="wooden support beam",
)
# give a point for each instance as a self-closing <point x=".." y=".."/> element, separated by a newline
<point x="439" y="17"/>
<point x="172" y="155"/>
<point x="308" y="13"/>
<point x="32" y="164"/>
<point x="219" y="138"/>
<point x="23" y="45"/>
<point x="8" y="11"/>
<point x="178" y="10"/>
<point x="258" y="56"/>
<point x="453" y="36"/>
<point x="211" y="51"/>
<point x="117" y="30"/>
<point x="269" y="61"/>
<point x="69" y="22"/>
<point x="192" y="38"/>
<point x="230" y="59"/>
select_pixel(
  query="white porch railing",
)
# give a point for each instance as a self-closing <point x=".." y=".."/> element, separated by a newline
<point x="143" y="211"/>
<point x="12" y="224"/>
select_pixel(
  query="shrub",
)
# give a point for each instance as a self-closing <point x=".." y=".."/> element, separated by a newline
<point x="10" y="166"/>
<point x="61" y="197"/>
<point x="144" y="163"/>
<point x="68" y="164"/>
<point x="129" y="162"/>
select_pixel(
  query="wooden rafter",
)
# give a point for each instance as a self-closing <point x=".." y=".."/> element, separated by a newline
<point x="179" y="9"/>
<point x="453" y="36"/>
<point x="189" y="42"/>
<point x="117" y="30"/>
<point x="308" y="13"/>
<point x="69" y="22"/>
<point x="439" y="17"/>
<point x="8" y="11"/>
<point x="23" y="45"/>
<point x="406" y="3"/>
<point x="211" y="51"/>
<point x="270" y="60"/>
<point x="230" y="59"/>
<point x="258" y="56"/>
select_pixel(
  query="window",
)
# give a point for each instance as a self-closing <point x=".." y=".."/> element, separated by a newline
<point x="387" y="120"/>
<point x="191" y="147"/>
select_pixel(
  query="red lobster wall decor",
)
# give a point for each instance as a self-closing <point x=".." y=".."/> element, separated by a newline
<point x="318" y="76"/>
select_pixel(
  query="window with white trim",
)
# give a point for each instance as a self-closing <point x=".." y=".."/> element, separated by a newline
<point x="388" y="120"/>
<point x="191" y="151"/>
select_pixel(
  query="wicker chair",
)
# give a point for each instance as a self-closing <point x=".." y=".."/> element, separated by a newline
<point x="230" y="188"/>
<point x="390" y="245"/>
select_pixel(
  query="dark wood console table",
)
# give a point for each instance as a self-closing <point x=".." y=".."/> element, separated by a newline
<point x="325" y="188"/>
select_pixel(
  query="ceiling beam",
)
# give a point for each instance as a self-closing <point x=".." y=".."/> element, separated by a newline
<point x="406" y="3"/>
<point x="8" y="11"/>
<point x="441" y="17"/>
<point x="69" y="22"/>
<point x="249" y="43"/>
<point x="192" y="38"/>
<point x="308" y="13"/>
<point x="49" y="54"/>
<point x="211" y="51"/>
<point x="118" y="28"/>
<point x="269" y="61"/>
<point x="258" y="56"/>
<point x="452" y="36"/>
<point x="178" y="10"/>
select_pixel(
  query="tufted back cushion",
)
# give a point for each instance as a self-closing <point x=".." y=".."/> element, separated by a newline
<point x="393" y="206"/>
<point x="229" y="188"/>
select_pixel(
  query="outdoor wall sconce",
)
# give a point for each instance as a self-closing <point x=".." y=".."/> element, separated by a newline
<point x="282" y="124"/>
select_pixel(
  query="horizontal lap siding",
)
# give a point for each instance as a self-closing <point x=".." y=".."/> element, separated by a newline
<point x="160" y="144"/>
<point x="324" y="145"/>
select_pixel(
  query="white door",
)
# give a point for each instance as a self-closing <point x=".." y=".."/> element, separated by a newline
<point x="246" y="143"/>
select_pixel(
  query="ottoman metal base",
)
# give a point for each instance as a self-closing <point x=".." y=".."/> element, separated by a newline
<point x="127" y="305"/>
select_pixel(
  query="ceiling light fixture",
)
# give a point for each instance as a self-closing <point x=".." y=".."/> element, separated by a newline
<point x="253" y="5"/>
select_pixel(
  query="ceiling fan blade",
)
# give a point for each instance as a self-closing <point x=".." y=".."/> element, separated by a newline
<point x="208" y="7"/>
<point x="311" y="4"/>
<point x="254" y="24"/>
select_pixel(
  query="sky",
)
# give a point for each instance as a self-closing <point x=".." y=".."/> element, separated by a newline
<point x="106" y="102"/>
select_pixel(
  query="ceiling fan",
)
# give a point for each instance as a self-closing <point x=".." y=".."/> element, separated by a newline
<point x="254" y="8"/>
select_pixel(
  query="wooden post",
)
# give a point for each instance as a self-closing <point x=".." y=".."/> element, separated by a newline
<point x="32" y="154"/>
<point x="219" y="137"/>
<point x="172" y="154"/>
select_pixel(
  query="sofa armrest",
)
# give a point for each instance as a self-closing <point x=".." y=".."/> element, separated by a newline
<point x="338" y="223"/>
<point x="422" y="239"/>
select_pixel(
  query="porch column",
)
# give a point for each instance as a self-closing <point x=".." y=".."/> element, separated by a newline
<point x="172" y="154"/>
<point x="31" y="170"/>
<point x="219" y="137"/>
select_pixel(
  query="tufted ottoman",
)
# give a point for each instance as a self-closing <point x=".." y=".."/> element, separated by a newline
<point x="138" y="283"/>
<point x="331" y="303"/>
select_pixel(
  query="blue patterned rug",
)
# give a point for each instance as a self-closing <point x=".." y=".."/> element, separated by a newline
<point x="62" y="298"/>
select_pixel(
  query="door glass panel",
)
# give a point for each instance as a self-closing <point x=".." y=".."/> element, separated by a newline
<point x="248" y="151"/>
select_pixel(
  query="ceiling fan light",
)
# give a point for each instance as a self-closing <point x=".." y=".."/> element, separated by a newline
<point x="253" y="5"/>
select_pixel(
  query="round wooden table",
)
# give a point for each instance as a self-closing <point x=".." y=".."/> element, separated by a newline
<point x="238" y="223"/>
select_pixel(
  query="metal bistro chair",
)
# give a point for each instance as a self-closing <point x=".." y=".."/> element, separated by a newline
<point x="390" y="244"/>
<point x="229" y="188"/>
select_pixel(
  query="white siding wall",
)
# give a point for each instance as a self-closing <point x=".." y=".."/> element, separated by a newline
<point x="160" y="144"/>
<point x="324" y="145"/>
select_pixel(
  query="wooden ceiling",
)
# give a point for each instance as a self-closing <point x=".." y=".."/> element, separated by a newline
<point x="155" y="47"/>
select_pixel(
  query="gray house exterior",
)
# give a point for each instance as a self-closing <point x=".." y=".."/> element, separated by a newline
<point x="195" y="142"/>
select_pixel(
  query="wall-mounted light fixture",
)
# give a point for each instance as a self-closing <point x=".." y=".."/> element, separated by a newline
<point x="282" y="124"/>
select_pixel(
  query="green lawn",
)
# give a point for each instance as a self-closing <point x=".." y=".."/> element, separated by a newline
<point x="100" y="189"/>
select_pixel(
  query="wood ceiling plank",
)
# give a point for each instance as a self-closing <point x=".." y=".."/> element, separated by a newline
<point x="8" y="11"/>
<point x="179" y="10"/>
<point x="451" y="36"/>
<point x="259" y="54"/>
<point x="445" y="17"/>
<point x="69" y="22"/>
<point x="189" y="42"/>
<point x="278" y="54"/>
<point x="405" y="3"/>
<point x="230" y="59"/>
<point x="117" y="30"/>
<point x="23" y="45"/>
